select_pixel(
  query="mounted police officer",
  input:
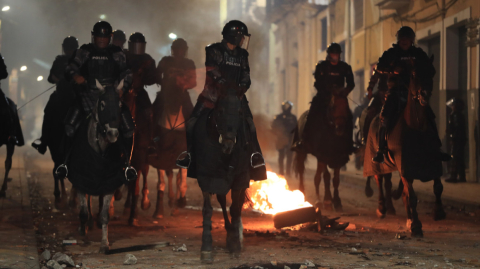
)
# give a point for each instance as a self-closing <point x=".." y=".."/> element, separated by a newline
<point x="394" y="70"/>
<point x="457" y="131"/>
<point x="60" y="99"/>
<point x="331" y="76"/>
<point x="103" y="62"/>
<point x="227" y="66"/>
<point x="283" y="125"/>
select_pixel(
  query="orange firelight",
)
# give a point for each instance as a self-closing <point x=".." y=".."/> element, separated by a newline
<point x="272" y="196"/>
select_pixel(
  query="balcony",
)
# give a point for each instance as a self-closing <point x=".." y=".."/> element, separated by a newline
<point x="392" y="4"/>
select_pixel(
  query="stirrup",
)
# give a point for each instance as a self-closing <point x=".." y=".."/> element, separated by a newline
<point x="259" y="164"/>
<point x="130" y="173"/>
<point x="188" y="158"/>
<point x="62" y="171"/>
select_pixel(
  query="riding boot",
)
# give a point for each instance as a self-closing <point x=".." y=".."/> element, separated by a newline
<point x="382" y="147"/>
<point x="189" y="126"/>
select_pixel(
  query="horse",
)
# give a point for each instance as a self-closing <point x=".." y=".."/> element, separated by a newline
<point x="221" y="155"/>
<point x="10" y="135"/>
<point x="331" y="145"/>
<point x="141" y="108"/>
<point x="170" y="110"/>
<point x="413" y="148"/>
<point x="96" y="162"/>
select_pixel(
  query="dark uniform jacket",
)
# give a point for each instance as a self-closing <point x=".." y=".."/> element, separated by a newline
<point x="283" y="126"/>
<point x="329" y="77"/>
<point x="457" y="127"/>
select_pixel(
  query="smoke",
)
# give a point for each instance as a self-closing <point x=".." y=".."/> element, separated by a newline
<point x="265" y="134"/>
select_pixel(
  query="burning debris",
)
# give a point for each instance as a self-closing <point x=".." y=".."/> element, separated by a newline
<point x="289" y="208"/>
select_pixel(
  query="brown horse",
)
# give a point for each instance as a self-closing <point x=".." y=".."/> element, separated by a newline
<point x="331" y="146"/>
<point x="413" y="149"/>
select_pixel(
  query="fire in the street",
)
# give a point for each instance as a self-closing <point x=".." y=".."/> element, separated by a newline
<point x="272" y="196"/>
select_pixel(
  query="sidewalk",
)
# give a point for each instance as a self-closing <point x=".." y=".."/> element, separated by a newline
<point x="18" y="245"/>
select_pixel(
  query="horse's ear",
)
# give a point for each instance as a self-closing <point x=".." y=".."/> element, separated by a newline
<point x="120" y="88"/>
<point x="99" y="86"/>
<point x="432" y="58"/>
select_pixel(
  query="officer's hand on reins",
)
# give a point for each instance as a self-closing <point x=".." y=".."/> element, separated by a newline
<point x="79" y="79"/>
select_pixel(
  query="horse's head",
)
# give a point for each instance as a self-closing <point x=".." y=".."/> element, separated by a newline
<point x="227" y="116"/>
<point x="107" y="112"/>
<point x="339" y="115"/>
<point x="421" y="83"/>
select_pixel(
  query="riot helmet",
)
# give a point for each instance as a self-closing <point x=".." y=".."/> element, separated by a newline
<point x="179" y="47"/>
<point x="137" y="43"/>
<point x="101" y="30"/>
<point x="119" y="38"/>
<point x="333" y="52"/>
<point x="405" y="37"/>
<point x="70" y="44"/>
<point x="287" y="106"/>
<point x="236" y="33"/>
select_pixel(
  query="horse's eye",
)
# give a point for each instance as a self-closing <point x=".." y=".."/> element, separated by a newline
<point x="102" y="105"/>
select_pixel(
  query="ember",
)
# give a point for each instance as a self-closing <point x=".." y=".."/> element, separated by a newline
<point x="272" y="196"/>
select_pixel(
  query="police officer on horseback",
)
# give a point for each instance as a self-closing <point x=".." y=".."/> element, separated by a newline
<point x="103" y="62"/>
<point x="394" y="70"/>
<point x="119" y="38"/>
<point x="330" y="78"/>
<point x="59" y="99"/>
<point x="227" y="67"/>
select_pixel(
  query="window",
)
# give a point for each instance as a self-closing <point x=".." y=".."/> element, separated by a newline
<point x="358" y="14"/>
<point x="323" y="40"/>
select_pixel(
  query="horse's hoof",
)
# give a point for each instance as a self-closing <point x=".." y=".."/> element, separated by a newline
<point x="380" y="214"/>
<point x="327" y="205"/>
<point x="133" y="222"/>
<point x="157" y="215"/>
<point x="182" y="202"/>
<point x="439" y="214"/>
<point x="104" y="249"/>
<point x="206" y="257"/>
<point x="145" y="203"/>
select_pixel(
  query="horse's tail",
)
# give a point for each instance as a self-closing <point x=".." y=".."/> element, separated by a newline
<point x="368" y="188"/>
<point x="299" y="161"/>
<point x="396" y="194"/>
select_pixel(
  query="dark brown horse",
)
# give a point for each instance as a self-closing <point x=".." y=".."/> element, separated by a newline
<point x="331" y="145"/>
<point x="413" y="149"/>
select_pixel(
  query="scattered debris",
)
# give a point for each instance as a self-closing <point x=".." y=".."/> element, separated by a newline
<point x="69" y="242"/>
<point x="309" y="263"/>
<point x="63" y="259"/>
<point x="400" y="236"/>
<point x="46" y="255"/>
<point x="130" y="259"/>
<point x="183" y="248"/>
<point x="52" y="264"/>
<point x="31" y="258"/>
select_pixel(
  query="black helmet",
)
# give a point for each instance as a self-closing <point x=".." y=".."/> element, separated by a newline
<point x="179" y="43"/>
<point x="287" y="106"/>
<point x="102" y="29"/>
<point x="405" y="31"/>
<point x="119" y="35"/>
<point x="334" y="48"/>
<point x="137" y="43"/>
<point x="457" y="102"/>
<point x="234" y="31"/>
<point x="70" y="43"/>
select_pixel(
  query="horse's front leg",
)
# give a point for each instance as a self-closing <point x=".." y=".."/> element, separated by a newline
<point x="84" y="214"/>
<point x="145" y="201"/>
<point x="438" y="212"/>
<point x="134" y="190"/>
<point x="8" y="166"/>
<point x="388" y="194"/>
<point x="104" y="218"/>
<point x="327" y="199"/>
<point x="235" y="241"/>
<point x="316" y="181"/>
<point x="206" y="255"/>
<point x="158" y="214"/>
<point x="337" y="202"/>
<point x="181" y="188"/>
<point x="414" y="223"/>
<point x="381" y="210"/>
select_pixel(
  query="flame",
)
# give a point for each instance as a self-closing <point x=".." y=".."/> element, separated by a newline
<point x="272" y="195"/>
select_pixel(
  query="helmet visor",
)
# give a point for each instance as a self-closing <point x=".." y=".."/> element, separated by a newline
<point x="137" y="48"/>
<point x="245" y="42"/>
